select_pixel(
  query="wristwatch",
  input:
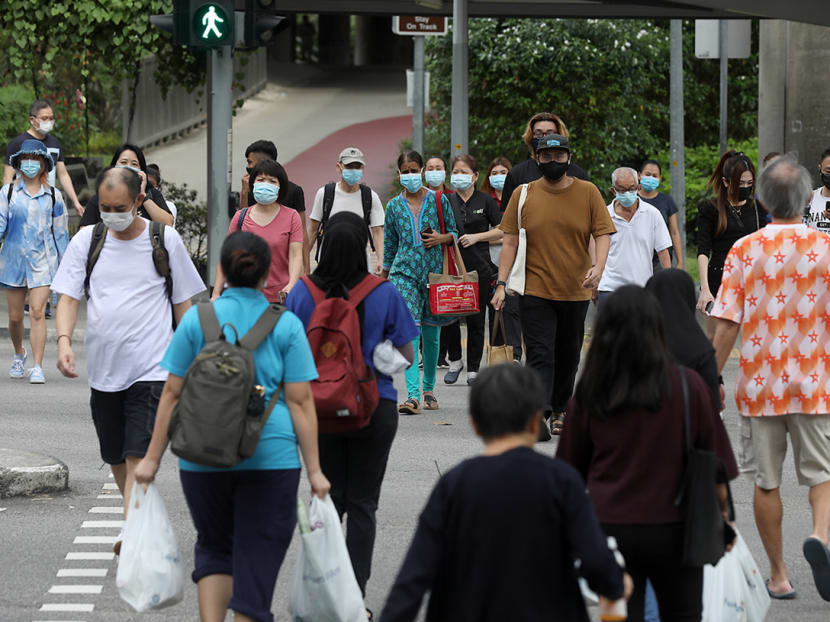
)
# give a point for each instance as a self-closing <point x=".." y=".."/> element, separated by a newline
<point x="502" y="283"/>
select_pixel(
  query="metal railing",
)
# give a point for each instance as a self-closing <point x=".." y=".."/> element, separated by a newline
<point x="156" y="119"/>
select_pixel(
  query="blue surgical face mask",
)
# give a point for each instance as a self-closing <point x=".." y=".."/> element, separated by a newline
<point x="411" y="181"/>
<point x="627" y="199"/>
<point x="461" y="181"/>
<point x="352" y="176"/>
<point x="649" y="183"/>
<point x="266" y="193"/>
<point x="497" y="181"/>
<point x="30" y="168"/>
<point x="435" y="178"/>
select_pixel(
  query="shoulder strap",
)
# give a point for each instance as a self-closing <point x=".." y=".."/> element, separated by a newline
<point x="522" y="199"/>
<point x="96" y="244"/>
<point x="241" y="218"/>
<point x="11" y="191"/>
<point x="439" y="197"/>
<point x="161" y="258"/>
<point x="209" y="322"/>
<point x="328" y="202"/>
<point x="264" y="326"/>
<point x="359" y="292"/>
<point x="687" y="425"/>
<point x="317" y="294"/>
<point x="366" y="199"/>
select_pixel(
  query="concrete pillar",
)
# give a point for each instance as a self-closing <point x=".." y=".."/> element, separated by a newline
<point x="283" y="48"/>
<point x="772" y="85"/>
<point x="334" y="39"/>
<point x="807" y="129"/>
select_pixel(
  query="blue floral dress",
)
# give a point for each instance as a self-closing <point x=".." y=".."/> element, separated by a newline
<point x="35" y="236"/>
<point x="405" y="257"/>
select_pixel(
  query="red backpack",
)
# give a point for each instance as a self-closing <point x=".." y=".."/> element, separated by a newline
<point x="346" y="392"/>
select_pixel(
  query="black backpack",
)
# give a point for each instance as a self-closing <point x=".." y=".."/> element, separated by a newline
<point x="161" y="258"/>
<point x="328" y="202"/>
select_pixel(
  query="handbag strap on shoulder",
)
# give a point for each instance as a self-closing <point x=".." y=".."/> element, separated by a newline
<point x="687" y="424"/>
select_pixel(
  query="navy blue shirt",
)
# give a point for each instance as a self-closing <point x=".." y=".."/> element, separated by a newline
<point x="385" y="316"/>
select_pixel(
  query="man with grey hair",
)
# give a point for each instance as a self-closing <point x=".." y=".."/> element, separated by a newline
<point x="129" y="318"/>
<point x="641" y="231"/>
<point x="776" y="288"/>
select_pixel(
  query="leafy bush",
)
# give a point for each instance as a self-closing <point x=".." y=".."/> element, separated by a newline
<point x="14" y="111"/>
<point x="191" y="223"/>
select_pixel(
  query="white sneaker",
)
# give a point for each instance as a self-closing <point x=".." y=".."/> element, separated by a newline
<point x="471" y="377"/>
<point x="36" y="375"/>
<point x="18" y="368"/>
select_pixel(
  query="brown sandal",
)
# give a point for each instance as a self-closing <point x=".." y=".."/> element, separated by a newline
<point x="410" y="407"/>
<point x="557" y="422"/>
<point x="430" y="403"/>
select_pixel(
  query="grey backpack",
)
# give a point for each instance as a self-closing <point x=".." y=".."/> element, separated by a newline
<point x="221" y="413"/>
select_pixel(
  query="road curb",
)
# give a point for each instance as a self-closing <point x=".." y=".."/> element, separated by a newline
<point x="24" y="473"/>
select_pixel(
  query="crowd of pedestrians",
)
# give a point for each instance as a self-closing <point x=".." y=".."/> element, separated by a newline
<point x="544" y="244"/>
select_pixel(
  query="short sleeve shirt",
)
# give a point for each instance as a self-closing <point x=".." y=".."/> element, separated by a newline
<point x="348" y="202"/>
<point x="776" y="285"/>
<point x="385" y="316"/>
<point x="665" y="204"/>
<point x="284" y="230"/>
<point x="129" y="318"/>
<point x="559" y="225"/>
<point x="52" y="146"/>
<point x="816" y="217"/>
<point x="284" y="356"/>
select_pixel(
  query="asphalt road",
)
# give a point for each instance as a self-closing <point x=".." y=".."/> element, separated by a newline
<point x="39" y="532"/>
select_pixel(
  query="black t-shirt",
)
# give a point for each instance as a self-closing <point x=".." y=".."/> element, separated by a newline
<point x="477" y="215"/>
<point x="516" y="522"/>
<point x="739" y="222"/>
<point x="294" y="197"/>
<point x="528" y="171"/>
<point x="92" y="215"/>
<point x="52" y="146"/>
<point x="667" y="208"/>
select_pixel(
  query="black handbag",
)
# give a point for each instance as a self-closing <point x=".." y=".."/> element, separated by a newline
<point x="703" y="531"/>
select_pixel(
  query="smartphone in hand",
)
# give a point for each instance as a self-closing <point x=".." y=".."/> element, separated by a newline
<point x="709" y="306"/>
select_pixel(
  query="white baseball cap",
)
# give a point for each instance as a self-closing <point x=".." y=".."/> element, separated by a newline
<point x="352" y="154"/>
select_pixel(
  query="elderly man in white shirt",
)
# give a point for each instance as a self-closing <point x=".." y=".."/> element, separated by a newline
<point x="641" y="231"/>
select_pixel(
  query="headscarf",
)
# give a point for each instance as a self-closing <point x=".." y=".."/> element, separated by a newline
<point x="343" y="255"/>
<point x="675" y="291"/>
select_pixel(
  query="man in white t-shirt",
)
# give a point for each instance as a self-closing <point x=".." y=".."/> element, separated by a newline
<point x="348" y="195"/>
<point x="819" y="215"/>
<point x="129" y="321"/>
<point x="641" y="231"/>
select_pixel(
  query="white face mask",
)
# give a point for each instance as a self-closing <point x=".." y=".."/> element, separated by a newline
<point x="118" y="221"/>
<point x="46" y="126"/>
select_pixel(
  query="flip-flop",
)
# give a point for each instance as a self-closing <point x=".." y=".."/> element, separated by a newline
<point x="410" y="407"/>
<point x="430" y="403"/>
<point x="781" y="595"/>
<point x="819" y="559"/>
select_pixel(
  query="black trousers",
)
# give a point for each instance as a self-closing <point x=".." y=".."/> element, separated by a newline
<point x="355" y="464"/>
<point x="451" y="335"/>
<point x="653" y="552"/>
<point x="512" y="326"/>
<point x="553" y="332"/>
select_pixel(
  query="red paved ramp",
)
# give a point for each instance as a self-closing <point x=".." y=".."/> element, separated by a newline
<point x="380" y="142"/>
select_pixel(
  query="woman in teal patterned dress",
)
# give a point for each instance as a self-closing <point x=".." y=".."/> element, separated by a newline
<point x="411" y="250"/>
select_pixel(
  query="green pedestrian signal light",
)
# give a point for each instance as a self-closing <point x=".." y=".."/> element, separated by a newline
<point x="212" y="25"/>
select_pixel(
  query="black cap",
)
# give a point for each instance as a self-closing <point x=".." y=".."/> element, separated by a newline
<point x="553" y="141"/>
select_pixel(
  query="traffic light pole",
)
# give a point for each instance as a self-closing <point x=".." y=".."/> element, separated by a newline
<point x="220" y="115"/>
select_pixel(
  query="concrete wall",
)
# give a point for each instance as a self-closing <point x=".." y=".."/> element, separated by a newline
<point x="794" y="92"/>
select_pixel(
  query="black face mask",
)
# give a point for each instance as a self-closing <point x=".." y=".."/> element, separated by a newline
<point x="535" y="142"/>
<point x="825" y="179"/>
<point x="744" y="194"/>
<point x="553" y="171"/>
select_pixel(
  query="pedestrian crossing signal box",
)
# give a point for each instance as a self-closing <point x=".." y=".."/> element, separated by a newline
<point x="199" y="24"/>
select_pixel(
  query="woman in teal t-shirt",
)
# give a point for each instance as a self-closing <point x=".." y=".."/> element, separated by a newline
<point x="245" y="515"/>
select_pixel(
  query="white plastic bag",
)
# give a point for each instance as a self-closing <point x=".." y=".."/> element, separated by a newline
<point x="734" y="590"/>
<point x="388" y="359"/>
<point x="325" y="588"/>
<point x="150" y="569"/>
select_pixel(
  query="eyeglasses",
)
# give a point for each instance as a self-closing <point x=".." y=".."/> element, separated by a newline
<point x="541" y="134"/>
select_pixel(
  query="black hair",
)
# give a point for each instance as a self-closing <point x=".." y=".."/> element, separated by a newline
<point x="774" y="154"/>
<point x="467" y="159"/>
<point x="824" y="154"/>
<point x="411" y="156"/>
<point x="38" y="105"/>
<point x="343" y="255"/>
<point x="504" y="399"/>
<point x="732" y="165"/>
<point x="154" y="173"/>
<point x="262" y="146"/>
<point x="142" y="163"/>
<point x="651" y="161"/>
<point x="245" y="259"/>
<point x="627" y="366"/>
<point x="115" y="175"/>
<point x="272" y="169"/>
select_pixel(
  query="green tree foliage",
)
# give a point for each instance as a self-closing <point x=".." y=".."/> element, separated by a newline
<point x="607" y="79"/>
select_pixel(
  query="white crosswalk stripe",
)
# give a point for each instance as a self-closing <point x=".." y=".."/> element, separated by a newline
<point x="82" y="572"/>
<point x="102" y="524"/>
<point x="90" y="556"/>
<point x="76" y="589"/>
<point x="80" y="607"/>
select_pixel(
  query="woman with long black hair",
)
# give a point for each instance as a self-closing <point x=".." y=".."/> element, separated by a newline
<point x="722" y="221"/>
<point x="355" y="462"/>
<point x="625" y="434"/>
<point x="154" y="206"/>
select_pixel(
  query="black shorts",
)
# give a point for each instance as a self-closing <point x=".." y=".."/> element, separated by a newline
<point x="124" y="419"/>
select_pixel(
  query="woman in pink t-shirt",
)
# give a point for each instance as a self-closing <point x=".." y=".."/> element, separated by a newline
<point x="278" y="225"/>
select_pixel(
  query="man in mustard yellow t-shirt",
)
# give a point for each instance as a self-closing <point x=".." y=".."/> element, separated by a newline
<point x="560" y="215"/>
